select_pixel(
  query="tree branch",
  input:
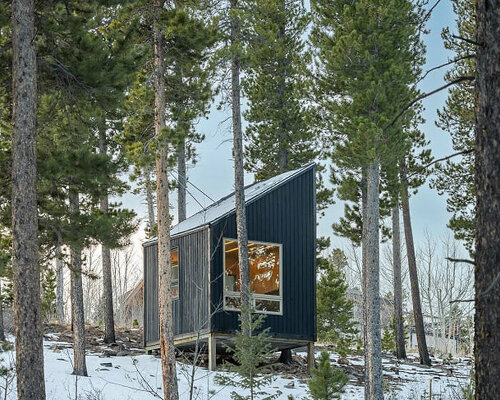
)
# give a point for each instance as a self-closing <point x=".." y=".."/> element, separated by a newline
<point x="423" y="96"/>
<point x="460" y="260"/>
<point x="446" y="64"/>
<point x="467" y="40"/>
<point x="439" y="160"/>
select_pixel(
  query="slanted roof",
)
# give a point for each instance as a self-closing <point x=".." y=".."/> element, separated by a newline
<point x="226" y="205"/>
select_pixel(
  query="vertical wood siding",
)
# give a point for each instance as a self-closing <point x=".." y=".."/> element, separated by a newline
<point x="191" y="309"/>
<point x="287" y="216"/>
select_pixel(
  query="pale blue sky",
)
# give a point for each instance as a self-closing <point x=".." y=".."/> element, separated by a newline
<point x="213" y="173"/>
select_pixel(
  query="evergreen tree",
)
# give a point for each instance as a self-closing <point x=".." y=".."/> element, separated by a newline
<point x="252" y="353"/>
<point x="455" y="177"/>
<point x="334" y="310"/>
<point x="327" y="382"/>
<point x="369" y="55"/>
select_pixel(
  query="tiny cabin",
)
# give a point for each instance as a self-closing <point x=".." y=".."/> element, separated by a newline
<point x="281" y="225"/>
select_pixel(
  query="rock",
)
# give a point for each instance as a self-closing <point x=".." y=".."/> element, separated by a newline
<point x="62" y="359"/>
<point x="343" y="361"/>
<point x="449" y="372"/>
<point x="109" y="353"/>
<point x="290" y="385"/>
<point x="123" y="353"/>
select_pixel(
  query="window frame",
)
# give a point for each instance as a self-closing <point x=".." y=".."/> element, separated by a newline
<point x="254" y="296"/>
<point x="172" y="285"/>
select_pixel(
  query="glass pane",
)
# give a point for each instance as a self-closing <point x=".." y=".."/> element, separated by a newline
<point x="267" y="305"/>
<point x="264" y="268"/>
<point x="174" y="262"/>
<point x="232" y="302"/>
<point x="264" y="263"/>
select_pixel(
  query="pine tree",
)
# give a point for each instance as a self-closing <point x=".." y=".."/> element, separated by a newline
<point x="251" y="352"/>
<point x="457" y="118"/>
<point x="327" y="382"/>
<point x="487" y="182"/>
<point x="367" y="61"/>
<point x="334" y="310"/>
<point x="29" y="346"/>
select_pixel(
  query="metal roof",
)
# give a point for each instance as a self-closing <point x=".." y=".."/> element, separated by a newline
<point x="226" y="205"/>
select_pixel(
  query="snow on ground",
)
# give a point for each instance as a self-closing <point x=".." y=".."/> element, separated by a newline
<point x="139" y="377"/>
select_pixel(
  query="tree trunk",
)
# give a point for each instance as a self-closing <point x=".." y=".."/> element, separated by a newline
<point x="398" y="289"/>
<point x="79" y="363"/>
<point x="26" y="273"/>
<point x="373" y="347"/>
<point x="239" y="184"/>
<point x="487" y="270"/>
<point x="182" y="181"/>
<point x="363" y="275"/>
<point x="2" y="331"/>
<point x="107" y="285"/>
<point x="150" y="199"/>
<point x="412" y="267"/>
<point x="167" y="349"/>
<point x="60" y="282"/>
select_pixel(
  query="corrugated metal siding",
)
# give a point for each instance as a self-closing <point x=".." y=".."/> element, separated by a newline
<point x="191" y="309"/>
<point x="286" y="215"/>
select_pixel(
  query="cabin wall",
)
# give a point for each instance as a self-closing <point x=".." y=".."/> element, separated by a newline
<point x="287" y="215"/>
<point x="190" y="311"/>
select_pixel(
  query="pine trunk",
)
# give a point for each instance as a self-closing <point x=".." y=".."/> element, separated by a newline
<point x="2" y="330"/>
<point x="239" y="184"/>
<point x="167" y="349"/>
<point x="487" y="271"/>
<point x="363" y="274"/>
<point x="398" y="289"/>
<point x="26" y="273"/>
<point x="150" y="199"/>
<point x="412" y="267"/>
<point x="60" y="282"/>
<point x="373" y="346"/>
<point x="107" y="283"/>
<point x="182" y="181"/>
<point x="79" y="363"/>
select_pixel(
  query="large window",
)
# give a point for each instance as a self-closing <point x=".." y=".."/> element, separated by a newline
<point x="174" y="262"/>
<point x="265" y="276"/>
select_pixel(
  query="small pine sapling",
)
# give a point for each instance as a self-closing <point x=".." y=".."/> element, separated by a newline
<point x="327" y="382"/>
<point x="389" y="339"/>
<point x="251" y="353"/>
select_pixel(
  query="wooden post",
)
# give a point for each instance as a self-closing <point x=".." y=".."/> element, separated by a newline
<point x="310" y="356"/>
<point x="212" y="353"/>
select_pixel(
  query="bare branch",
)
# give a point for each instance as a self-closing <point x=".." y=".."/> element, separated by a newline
<point x="439" y="160"/>
<point x="423" y="96"/>
<point x="467" y="40"/>
<point x="461" y="260"/>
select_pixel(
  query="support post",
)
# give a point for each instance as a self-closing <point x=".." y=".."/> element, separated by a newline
<point x="310" y="356"/>
<point x="212" y="353"/>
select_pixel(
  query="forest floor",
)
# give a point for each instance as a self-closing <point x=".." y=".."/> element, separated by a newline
<point x="123" y="372"/>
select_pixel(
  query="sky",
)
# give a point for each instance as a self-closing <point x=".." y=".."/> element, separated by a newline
<point x="213" y="173"/>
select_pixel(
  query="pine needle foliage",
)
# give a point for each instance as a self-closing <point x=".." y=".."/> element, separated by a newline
<point x="251" y="354"/>
<point x="334" y="309"/>
<point x="327" y="382"/>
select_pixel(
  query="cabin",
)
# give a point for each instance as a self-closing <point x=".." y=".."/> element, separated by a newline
<point x="281" y="225"/>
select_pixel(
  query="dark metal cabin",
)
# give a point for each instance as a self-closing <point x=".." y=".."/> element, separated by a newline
<point x="281" y="223"/>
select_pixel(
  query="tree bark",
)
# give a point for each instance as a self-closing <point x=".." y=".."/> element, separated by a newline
<point x="26" y="273"/>
<point x="487" y="149"/>
<point x="167" y="349"/>
<point x="107" y="284"/>
<point x="2" y="330"/>
<point x="239" y="184"/>
<point x="182" y="181"/>
<point x="398" y="290"/>
<point x="373" y="346"/>
<point x="60" y="282"/>
<point x="150" y="199"/>
<point x="79" y="362"/>
<point x="412" y="267"/>
<point x="363" y="274"/>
